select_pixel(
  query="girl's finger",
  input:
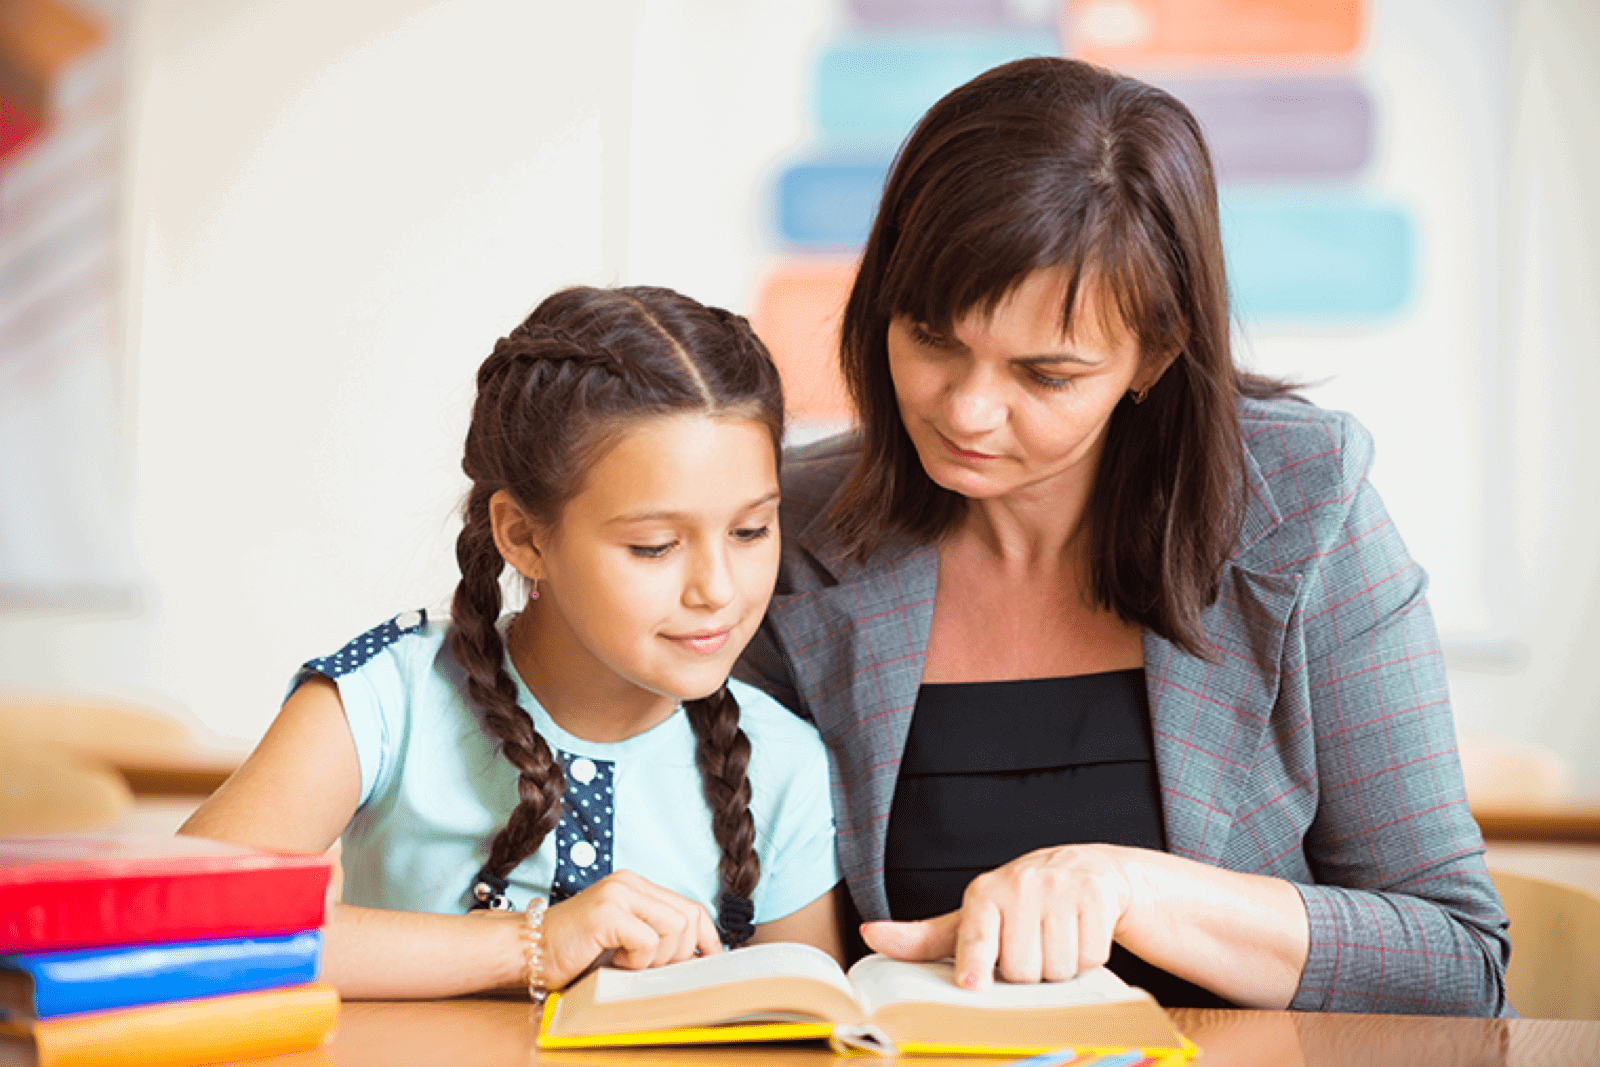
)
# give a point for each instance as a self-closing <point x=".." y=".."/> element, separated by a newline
<point x="634" y="939"/>
<point x="707" y="941"/>
<point x="664" y="913"/>
<point x="685" y="927"/>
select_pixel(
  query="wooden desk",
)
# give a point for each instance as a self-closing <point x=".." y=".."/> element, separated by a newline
<point x="475" y="1032"/>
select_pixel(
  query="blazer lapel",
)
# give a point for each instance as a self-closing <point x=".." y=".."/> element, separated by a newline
<point x="867" y="636"/>
<point x="1208" y="717"/>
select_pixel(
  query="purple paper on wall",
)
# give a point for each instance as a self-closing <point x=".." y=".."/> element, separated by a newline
<point x="1263" y="129"/>
<point x="939" y="13"/>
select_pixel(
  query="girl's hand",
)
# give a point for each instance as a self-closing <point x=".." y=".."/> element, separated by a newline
<point x="1048" y="915"/>
<point x="645" y="925"/>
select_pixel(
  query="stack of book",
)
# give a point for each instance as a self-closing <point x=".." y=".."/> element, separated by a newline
<point x="118" y="951"/>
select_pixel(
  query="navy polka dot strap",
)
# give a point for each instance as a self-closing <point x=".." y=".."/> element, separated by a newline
<point x="583" y="836"/>
<point x="353" y="655"/>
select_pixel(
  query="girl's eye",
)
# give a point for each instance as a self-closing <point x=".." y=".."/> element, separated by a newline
<point x="651" y="551"/>
<point x="750" y="534"/>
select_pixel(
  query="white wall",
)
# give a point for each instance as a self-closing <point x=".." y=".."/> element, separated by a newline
<point x="335" y="208"/>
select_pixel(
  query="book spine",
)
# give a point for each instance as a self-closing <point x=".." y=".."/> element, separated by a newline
<point x="191" y="1032"/>
<point x="89" y="913"/>
<point x="66" y="983"/>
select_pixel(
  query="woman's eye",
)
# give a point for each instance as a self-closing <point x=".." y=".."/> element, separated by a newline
<point x="651" y="551"/>
<point x="750" y="534"/>
<point x="1048" y="382"/>
<point x="925" y="337"/>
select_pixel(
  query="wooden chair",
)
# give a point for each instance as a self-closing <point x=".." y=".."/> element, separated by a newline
<point x="71" y="764"/>
<point x="1555" y="947"/>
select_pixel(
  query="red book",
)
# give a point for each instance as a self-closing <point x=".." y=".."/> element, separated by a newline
<point x="82" y="892"/>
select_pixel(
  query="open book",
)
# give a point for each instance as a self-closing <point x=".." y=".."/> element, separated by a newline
<point x="789" y="992"/>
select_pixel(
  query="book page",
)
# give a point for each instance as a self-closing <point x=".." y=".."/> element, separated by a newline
<point x="741" y="965"/>
<point x="879" y="981"/>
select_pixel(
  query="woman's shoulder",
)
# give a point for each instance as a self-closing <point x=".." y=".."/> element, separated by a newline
<point x="1288" y="431"/>
<point x="1304" y="462"/>
<point x="813" y="474"/>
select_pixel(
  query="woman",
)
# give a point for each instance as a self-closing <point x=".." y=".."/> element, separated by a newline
<point x="1115" y="650"/>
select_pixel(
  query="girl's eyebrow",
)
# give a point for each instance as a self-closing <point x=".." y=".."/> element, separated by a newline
<point x="667" y="516"/>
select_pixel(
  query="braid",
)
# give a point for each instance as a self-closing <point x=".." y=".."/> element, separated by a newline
<point x="552" y="397"/>
<point x="722" y="752"/>
<point x="475" y="640"/>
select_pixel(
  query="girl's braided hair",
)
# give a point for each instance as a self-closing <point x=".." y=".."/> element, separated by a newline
<point x="552" y="398"/>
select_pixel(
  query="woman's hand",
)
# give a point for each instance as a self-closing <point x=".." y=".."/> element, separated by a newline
<point x="1048" y="915"/>
<point x="1054" y="913"/>
<point x="641" y="923"/>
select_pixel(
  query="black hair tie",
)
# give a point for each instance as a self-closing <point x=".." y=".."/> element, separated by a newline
<point x="489" y="892"/>
<point x="735" y="914"/>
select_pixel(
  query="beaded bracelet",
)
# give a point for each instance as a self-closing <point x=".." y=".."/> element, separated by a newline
<point x="533" y="949"/>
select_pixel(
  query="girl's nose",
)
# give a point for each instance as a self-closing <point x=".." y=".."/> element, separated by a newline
<point x="710" y="580"/>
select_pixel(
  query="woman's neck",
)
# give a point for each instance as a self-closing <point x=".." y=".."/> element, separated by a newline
<point x="1033" y="528"/>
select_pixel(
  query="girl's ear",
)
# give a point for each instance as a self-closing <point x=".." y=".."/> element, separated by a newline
<point x="516" y="535"/>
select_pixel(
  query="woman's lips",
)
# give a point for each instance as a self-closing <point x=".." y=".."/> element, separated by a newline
<point x="704" y="643"/>
<point x="962" y="452"/>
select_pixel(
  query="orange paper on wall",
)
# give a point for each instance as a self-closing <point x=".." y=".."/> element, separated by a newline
<point x="798" y="315"/>
<point x="1121" y="33"/>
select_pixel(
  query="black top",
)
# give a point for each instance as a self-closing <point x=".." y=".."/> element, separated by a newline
<point x="993" y="770"/>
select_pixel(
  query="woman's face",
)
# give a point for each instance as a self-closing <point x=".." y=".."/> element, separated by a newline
<point x="1008" y="404"/>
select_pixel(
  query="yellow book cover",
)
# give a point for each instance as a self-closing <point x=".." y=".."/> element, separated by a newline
<point x="788" y="992"/>
<point x="179" y="1033"/>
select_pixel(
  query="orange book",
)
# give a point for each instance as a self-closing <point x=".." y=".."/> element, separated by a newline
<point x="181" y="1033"/>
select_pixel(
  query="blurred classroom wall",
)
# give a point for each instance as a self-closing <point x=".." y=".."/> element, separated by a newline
<point x="328" y="212"/>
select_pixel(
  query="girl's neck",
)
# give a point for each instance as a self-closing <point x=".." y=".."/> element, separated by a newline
<point x="602" y="709"/>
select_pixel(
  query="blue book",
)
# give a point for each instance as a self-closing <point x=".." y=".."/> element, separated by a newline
<point x="47" y="984"/>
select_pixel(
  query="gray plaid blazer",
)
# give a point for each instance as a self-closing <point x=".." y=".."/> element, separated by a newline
<point x="1319" y="748"/>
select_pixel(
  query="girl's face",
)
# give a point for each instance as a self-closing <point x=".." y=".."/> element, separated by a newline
<point x="1008" y="403"/>
<point x="661" y="568"/>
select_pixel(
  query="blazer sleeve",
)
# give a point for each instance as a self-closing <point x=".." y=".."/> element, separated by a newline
<point x="1403" y="916"/>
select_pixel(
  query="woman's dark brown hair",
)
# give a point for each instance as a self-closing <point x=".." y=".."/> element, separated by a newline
<point x="1056" y="164"/>
<point x="553" y="397"/>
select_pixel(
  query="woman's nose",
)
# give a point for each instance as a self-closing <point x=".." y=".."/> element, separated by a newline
<point x="974" y="403"/>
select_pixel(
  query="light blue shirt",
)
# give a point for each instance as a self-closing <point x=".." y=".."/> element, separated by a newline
<point x="435" y="788"/>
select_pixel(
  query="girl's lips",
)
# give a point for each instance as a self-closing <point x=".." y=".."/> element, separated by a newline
<point x="705" y="643"/>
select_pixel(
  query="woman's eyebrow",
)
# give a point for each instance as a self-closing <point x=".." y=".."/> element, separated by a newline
<point x="1057" y="357"/>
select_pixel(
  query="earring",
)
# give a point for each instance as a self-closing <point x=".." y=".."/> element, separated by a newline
<point x="533" y="594"/>
<point x="1139" y="394"/>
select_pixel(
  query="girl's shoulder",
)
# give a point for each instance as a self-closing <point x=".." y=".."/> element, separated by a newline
<point x="393" y="647"/>
<point x="766" y="720"/>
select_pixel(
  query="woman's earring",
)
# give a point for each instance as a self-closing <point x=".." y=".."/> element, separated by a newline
<point x="1139" y="394"/>
<point x="533" y="594"/>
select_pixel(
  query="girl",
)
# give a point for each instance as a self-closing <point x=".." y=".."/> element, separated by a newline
<point x="588" y="751"/>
